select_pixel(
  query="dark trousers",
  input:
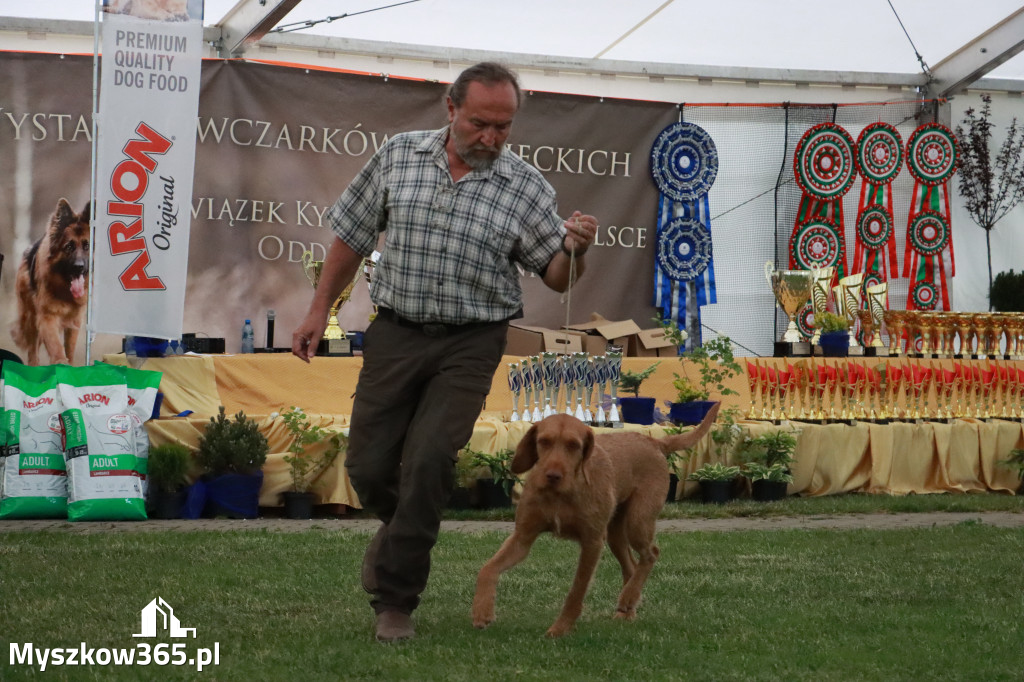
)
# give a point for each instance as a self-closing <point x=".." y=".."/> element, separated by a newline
<point x="415" y="405"/>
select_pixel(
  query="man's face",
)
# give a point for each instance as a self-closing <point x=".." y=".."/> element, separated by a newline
<point x="481" y="125"/>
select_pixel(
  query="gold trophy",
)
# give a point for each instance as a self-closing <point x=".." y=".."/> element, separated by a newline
<point x="819" y="295"/>
<point x="878" y="303"/>
<point x="895" y="321"/>
<point x="334" y="341"/>
<point x="848" y="296"/>
<point x="792" y="288"/>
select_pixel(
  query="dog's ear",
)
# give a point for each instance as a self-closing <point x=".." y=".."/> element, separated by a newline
<point x="588" y="442"/>
<point x="588" y="447"/>
<point x="86" y="212"/>
<point x="62" y="216"/>
<point x="526" y="452"/>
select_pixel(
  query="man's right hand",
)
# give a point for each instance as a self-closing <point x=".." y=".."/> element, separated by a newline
<point x="307" y="335"/>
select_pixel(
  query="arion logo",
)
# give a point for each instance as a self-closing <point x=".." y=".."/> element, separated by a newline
<point x="158" y="614"/>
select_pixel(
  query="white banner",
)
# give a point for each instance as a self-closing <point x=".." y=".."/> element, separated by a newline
<point x="149" y="101"/>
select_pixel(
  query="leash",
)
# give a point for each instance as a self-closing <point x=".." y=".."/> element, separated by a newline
<point x="567" y="297"/>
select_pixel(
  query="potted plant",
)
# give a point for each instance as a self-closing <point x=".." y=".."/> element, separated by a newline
<point x="767" y="461"/>
<point x="1007" y="292"/>
<point x="835" y="334"/>
<point x="1016" y="461"/>
<point x="715" y="480"/>
<point x="636" y="410"/>
<point x="716" y="365"/>
<point x="497" y="490"/>
<point x="167" y="471"/>
<point x="676" y="460"/>
<point x="312" y="450"/>
<point x="232" y="453"/>
<point x="465" y="494"/>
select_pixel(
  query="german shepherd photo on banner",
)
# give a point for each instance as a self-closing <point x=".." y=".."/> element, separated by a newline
<point x="52" y="282"/>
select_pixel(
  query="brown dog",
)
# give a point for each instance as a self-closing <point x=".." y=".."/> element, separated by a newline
<point x="589" y="488"/>
<point x="52" y="281"/>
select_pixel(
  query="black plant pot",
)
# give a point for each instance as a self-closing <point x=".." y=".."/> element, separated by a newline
<point x="492" y="495"/>
<point x="673" y="487"/>
<point x="768" y="491"/>
<point x="166" y="505"/>
<point x="298" y="505"/>
<point x="462" y="498"/>
<point x="715" y="492"/>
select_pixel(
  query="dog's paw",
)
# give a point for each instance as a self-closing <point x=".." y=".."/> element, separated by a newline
<point x="558" y="630"/>
<point x="482" y="618"/>
<point x="625" y="614"/>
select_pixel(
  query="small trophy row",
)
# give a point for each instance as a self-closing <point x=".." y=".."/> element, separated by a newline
<point x="853" y="391"/>
<point x="555" y="383"/>
<point x="952" y="334"/>
<point x="914" y="333"/>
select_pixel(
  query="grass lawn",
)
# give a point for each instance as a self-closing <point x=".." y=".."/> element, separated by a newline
<point x="921" y="604"/>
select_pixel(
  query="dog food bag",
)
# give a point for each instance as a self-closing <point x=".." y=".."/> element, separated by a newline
<point x="104" y="477"/>
<point x="143" y="386"/>
<point x="33" y="479"/>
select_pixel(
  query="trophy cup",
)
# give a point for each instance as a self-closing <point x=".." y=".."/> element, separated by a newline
<point x="334" y="342"/>
<point x="515" y="385"/>
<point x="526" y="376"/>
<point x="601" y="377"/>
<point x="878" y="303"/>
<point x="822" y="278"/>
<point x="549" y="363"/>
<point x="792" y="288"/>
<point x="538" y="387"/>
<point x="569" y="380"/>
<point x="614" y="372"/>
<point x="579" y="373"/>
<point x="847" y="296"/>
<point x="589" y="379"/>
<point x="895" y="322"/>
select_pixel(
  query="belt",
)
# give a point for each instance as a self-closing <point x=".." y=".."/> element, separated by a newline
<point x="432" y="329"/>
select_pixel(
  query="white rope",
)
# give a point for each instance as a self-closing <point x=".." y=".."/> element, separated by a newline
<point x="568" y="289"/>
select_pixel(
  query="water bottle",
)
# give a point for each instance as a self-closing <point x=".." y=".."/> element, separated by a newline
<point x="248" y="337"/>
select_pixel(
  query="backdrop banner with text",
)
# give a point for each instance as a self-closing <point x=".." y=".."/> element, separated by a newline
<point x="276" y="145"/>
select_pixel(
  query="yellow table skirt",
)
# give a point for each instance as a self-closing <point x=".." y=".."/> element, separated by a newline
<point x="895" y="459"/>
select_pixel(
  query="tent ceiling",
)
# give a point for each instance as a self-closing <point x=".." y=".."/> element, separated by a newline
<point x="958" y="41"/>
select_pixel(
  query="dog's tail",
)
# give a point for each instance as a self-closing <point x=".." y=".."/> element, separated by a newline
<point x="682" y="441"/>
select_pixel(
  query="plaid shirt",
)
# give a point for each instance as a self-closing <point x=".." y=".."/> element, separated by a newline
<point x="450" y="249"/>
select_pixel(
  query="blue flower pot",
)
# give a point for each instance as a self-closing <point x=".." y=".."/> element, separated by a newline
<point x="637" y="410"/>
<point x="690" y="413"/>
<point x="835" y="344"/>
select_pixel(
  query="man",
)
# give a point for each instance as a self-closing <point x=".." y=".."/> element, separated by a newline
<point x="458" y="214"/>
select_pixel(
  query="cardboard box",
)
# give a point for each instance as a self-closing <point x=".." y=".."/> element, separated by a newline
<point x="524" y="340"/>
<point x="653" y="343"/>
<point x="599" y="333"/>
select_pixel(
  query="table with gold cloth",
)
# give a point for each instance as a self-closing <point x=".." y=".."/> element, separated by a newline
<point x="896" y="458"/>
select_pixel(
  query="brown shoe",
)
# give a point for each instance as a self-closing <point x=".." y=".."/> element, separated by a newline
<point x="394" y="626"/>
<point x="369" y="569"/>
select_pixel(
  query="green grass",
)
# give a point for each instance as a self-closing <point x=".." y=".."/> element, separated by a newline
<point x="935" y="604"/>
<point x="852" y="503"/>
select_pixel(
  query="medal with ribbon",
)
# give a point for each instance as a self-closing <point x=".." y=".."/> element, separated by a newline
<point x="825" y="168"/>
<point x="684" y="164"/>
<point x="879" y="159"/>
<point x="932" y="160"/>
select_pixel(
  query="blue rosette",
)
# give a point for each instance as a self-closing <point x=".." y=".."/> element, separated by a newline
<point x="684" y="164"/>
<point x="684" y="249"/>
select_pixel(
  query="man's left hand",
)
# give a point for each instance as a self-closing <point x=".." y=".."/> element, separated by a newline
<point x="580" y="232"/>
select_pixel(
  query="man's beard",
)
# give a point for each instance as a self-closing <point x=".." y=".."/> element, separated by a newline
<point x="477" y="157"/>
